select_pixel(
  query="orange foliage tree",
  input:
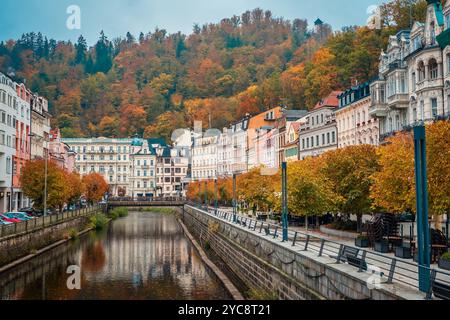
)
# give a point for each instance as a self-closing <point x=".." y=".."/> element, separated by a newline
<point x="95" y="187"/>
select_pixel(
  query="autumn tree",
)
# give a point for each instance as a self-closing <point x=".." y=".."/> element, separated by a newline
<point x="32" y="179"/>
<point x="75" y="187"/>
<point x="257" y="190"/>
<point x="438" y="164"/>
<point x="349" y="170"/>
<point x="393" y="187"/>
<point x="95" y="187"/>
<point x="309" y="191"/>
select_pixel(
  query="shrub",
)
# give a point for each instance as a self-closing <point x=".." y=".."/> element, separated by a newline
<point x="347" y="225"/>
<point x="118" y="213"/>
<point x="73" y="233"/>
<point x="262" y="295"/>
<point x="446" y="256"/>
<point x="99" y="221"/>
<point x="114" y="214"/>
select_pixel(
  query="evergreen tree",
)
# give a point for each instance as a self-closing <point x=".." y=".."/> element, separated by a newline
<point x="103" y="50"/>
<point x="81" y="50"/>
<point x="141" y="38"/>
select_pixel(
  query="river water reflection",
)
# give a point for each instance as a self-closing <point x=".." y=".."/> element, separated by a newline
<point x="142" y="256"/>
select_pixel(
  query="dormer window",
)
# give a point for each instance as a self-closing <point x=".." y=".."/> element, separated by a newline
<point x="417" y="43"/>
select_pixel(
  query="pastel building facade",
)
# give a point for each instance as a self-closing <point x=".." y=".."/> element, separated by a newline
<point x="355" y="125"/>
<point x="23" y="146"/>
<point x="318" y="133"/>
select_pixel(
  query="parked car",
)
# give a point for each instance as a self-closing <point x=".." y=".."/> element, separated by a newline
<point x="17" y="215"/>
<point x="29" y="211"/>
<point x="21" y="215"/>
<point x="10" y="219"/>
<point x="4" y="222"/>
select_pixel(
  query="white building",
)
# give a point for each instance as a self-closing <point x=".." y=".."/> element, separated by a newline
<point x="8" y="119"/>
<point x="355" y="125"/>
<point x="109" y="157"/>
<point x="142" y="181"/>
<point x="205" y="156"/>
<point x="318" y="132"/>
<point x="414" y="72"/>
<point x="134" y="167"/>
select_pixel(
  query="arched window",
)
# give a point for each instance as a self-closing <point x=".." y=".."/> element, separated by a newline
<point x="421" y="71"/>
<point x="433" y="69"/>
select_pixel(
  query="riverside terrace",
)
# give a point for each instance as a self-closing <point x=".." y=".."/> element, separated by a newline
<point x="395" y="274"/>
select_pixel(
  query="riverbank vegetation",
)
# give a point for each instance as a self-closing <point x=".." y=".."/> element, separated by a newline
<point x="118" y="213"/>
<point x="99" y="221"/>
<point x="355" y="180"/>
<point x="159" y="210"/>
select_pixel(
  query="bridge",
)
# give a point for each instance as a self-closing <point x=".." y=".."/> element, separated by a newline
<point x="146" y="202"/>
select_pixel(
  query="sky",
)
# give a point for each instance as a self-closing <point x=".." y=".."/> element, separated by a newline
<point x="116" y="17"/>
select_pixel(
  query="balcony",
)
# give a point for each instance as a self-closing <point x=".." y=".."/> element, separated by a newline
<point x="399" y="100"/>
<point x="378" y="109"/>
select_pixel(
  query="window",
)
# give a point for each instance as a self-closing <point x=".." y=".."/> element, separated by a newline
<point x="8" y="165"/>
<point x="448" y="63"/>
<point x="333" y="137"/>
<point x="433" y="69"/>
<point x="421" y="110"/>
<point x="432" y="33"/>
<point x="434" y="107"/>
<point x="421" y="71"/>
<point x="317" y="141"/>
<point x="413" y="81"/>
<point x="328" y="138"/>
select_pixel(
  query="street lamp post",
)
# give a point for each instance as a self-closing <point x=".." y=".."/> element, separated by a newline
<point x="216" y="204"/>
<point x="206" y="194"/>
<point x="45" y="182"/>
<point x="423" y="232"/>
<point x="284" y="215"/>
<point x="234" y="199"/>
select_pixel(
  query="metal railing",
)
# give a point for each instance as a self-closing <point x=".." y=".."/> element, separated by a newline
<point x="44" y="221"/>
<point x="390" y="269"/>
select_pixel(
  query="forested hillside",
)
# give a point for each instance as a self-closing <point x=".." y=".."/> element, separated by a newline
<point x="157" y="81"/>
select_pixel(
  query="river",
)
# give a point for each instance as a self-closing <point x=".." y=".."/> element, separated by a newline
<point x="144" y="256"/>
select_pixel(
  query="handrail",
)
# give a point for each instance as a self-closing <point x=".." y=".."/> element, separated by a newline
<point x="44" y="221"/>
<point x="396" y="269"/>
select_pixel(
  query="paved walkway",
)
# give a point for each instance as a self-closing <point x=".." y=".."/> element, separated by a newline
<point x="406" y="270"/>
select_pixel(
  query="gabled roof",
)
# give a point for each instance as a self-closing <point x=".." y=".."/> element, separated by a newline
<point x="330" y="101"/>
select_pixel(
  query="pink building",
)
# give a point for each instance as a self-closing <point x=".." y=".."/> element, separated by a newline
<point x="60" y="152"/>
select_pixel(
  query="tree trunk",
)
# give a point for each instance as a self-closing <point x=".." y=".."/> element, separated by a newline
<point x="306" y="222"/>
<point x="359" y="223"/>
